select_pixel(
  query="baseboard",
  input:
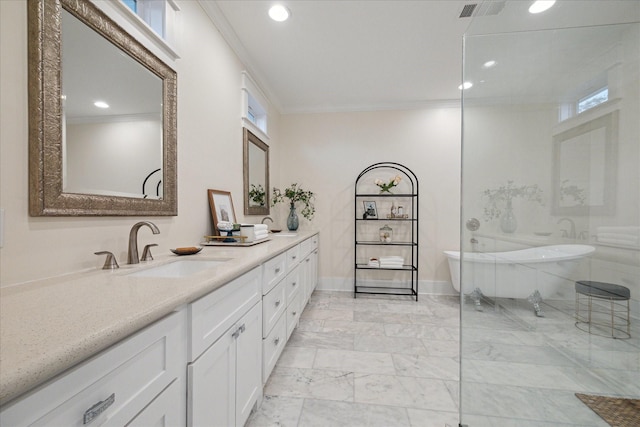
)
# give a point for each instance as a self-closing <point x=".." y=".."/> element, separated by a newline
<point x="345" y="284"/>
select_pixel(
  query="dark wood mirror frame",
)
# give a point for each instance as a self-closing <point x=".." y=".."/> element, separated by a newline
<point x="46" y="197"/>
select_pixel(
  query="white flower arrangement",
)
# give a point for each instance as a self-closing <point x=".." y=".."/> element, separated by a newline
<point x="387" y="186"/>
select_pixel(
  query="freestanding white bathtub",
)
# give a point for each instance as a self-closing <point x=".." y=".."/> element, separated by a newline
<point x="532" y="273"/>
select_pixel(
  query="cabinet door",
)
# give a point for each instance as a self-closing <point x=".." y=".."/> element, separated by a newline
<point x="249" y="364"/>
<point x="314" y="269"/>
<point x="211" y="400"/>
<point x="163" y="411"/>
<point x="308" y="285"/>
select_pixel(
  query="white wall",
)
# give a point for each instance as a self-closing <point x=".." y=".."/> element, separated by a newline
<point x="209" y="155"/>
<point x="326" y="152"/>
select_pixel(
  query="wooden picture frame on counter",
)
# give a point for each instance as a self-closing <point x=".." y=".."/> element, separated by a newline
<point x="222" y="209"/>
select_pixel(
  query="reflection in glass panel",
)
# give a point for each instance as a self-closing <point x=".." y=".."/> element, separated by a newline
<point x="114" y="147"/>
<point x="522" y="356"/>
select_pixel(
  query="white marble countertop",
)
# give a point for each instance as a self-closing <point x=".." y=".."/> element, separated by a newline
<point x="50" y="325"/>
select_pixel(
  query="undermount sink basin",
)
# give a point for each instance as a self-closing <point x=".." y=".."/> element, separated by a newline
<point x="178" y="269"/>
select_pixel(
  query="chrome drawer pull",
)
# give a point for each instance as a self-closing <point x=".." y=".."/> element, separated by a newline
<point x="276" y="341"/>
<point x="293" y="284"/>
<point x="93" y="412"/>
<point x="277" y="303"/>
<point x="294" y="257"/>
<point x="293" y="313"/>
<point x="277" y="270"/>
<point x="242" y="328"/>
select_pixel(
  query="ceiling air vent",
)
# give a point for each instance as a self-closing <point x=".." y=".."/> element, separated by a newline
<point x="467" y="10"/>
<point x="487" y="8"/>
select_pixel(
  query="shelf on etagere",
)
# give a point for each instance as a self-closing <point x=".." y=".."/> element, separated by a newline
<point x="386" y="195"/>
<point x="368" y="267"/>
<point x="386" y="219"/>
<point x="385" y="290"/>
<point x="378" y="243"/>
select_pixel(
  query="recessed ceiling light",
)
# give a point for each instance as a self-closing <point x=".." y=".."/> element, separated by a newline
<point x="279" y="13"/>
<point x="101" y="104"/>
<point x="465" y="85"/>
<point x="489" y="64"/>
<point x="541" y="5"/>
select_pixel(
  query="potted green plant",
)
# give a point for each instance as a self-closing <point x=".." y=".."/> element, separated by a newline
<point x="295" y="194"/>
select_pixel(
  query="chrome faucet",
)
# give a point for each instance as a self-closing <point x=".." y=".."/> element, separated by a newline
<point x="132" y="257"/>
<point x="572" y="233"/>
<point x="266" y="218"/>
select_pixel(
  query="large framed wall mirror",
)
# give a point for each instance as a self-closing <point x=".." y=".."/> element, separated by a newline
<point x="256" y="175"/>
<point x="102" y="117"/>
<point x="584" y="168"/>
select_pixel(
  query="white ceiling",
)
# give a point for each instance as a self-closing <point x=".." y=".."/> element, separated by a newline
<point x="352" y="55"/>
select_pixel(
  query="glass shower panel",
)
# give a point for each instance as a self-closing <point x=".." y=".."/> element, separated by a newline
<point x="557" y="195"/>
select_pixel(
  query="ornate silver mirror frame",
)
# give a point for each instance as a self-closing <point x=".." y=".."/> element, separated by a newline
<point x="46" y="196"/>
<point x="256" y="175"/>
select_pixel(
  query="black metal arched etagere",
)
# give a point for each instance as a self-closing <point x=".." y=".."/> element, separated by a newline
<point x="374" y="253"/>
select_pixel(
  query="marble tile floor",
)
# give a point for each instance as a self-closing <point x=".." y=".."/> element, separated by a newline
<point x="369" y="361"/>
<point x="390" y="361"/>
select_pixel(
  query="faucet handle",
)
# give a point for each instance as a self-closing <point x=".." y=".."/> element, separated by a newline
<point x="110" y="263"/>
<point x="146" y="252"/>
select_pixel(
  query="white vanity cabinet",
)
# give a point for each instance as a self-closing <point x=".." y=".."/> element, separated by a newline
<point x="285" y="294"/>
<point x="124" y="385"/>
<point x="224" y="373"/>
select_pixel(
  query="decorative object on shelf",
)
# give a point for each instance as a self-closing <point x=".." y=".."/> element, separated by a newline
<point x="385" y="187"/>
<point x="370" y="210"/>
<point x="295" y="194"/>
<point x="391" y="262"/>
<point x="386" y="234"/>
<point x="397" y="216"/>
<point x="221" y="208"/>
<point x="499" y="203"/>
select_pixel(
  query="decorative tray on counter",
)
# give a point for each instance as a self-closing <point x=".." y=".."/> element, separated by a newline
<point x="238" y="241"/>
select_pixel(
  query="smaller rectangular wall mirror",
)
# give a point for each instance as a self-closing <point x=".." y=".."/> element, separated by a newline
<point x="256" y="175"/>
<point x="584" y="168"/>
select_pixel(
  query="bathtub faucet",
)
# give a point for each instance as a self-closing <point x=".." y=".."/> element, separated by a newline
<point x="572" y="232"/>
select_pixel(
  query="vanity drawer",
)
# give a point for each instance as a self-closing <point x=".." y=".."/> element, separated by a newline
<point x="111" y="388"/>
<point x="213" y="314"/>
<point x="293" y="257"/>
<point x="293" y="283"/>
<point x="272" y="347"/>
<point x="305" y="247"/>
<point x="293" y="312"/>
<point x="273" y="271"/>
<point x="273" y="305"/>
